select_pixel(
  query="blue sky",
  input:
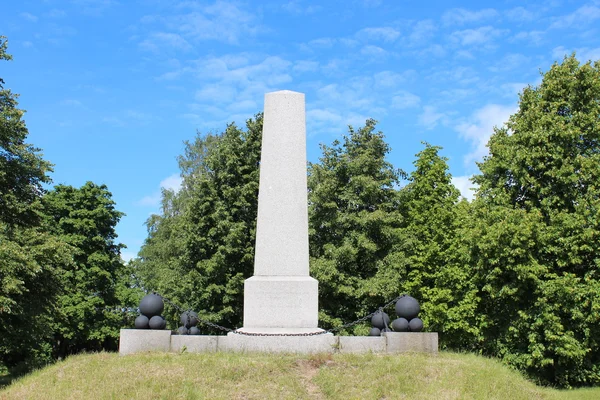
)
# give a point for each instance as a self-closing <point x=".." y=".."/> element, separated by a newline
<point x="113" y="87"/>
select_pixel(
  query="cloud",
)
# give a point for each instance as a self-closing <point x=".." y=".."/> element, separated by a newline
<point x="93" y="7"/>
<point x="128" y="256"/>
<point x="29" y="17"/>
<point x="533" y="37"/>
<point x="465" y="186"/>
<point x="580" y="18"/>
<point x="519" y="14"/>
<point x="373" y="51"/>
<point x="71" y="103"/>
<point x="305" y="66"/>
<point x="56" y="13"/>
<point x="422" y="31"/>
<point x="510" y="62"/>
<point x="158" y="42"/>
<point x="385" y="34"/>
<point x="172" y="182"/>
<point x="476" y="37"/>
<point x="480" y="126"/>
<point x="391" y="79"/>
<point x="404" y="99"/>
<point x="460" y="16"/>
<point x="295" y="7"/>
<point x="430" y="118"/>
<point x="583" y="54"/>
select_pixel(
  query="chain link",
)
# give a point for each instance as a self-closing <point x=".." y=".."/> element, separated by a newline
<point x="238" y="332"/>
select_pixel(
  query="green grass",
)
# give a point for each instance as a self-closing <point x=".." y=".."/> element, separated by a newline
<point x="262" y="376"/>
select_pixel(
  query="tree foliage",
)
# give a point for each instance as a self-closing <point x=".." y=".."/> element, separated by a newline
<point x="200" y="249"/>
<point x="93" y="285"/>
<point x="535" y="237"/>
<point x="354" y="224"/>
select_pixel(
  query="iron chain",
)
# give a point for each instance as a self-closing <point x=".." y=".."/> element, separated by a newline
<point x="238" y="332"/>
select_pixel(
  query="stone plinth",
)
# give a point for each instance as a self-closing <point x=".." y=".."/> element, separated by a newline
<point x="281" y="302"/>
<point x="406" y="342"/>
<point x="194" y="343"/>
<point x="362" y="344"/>
<point x="141" y="340"/>
<point x="326" y="343"/>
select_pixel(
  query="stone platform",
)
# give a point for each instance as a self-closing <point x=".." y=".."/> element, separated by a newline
<point x="142" y="340"/>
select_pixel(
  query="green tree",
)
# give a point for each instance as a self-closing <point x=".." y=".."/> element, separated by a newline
<point x="434" y="275"/>
<point x="85" y="317"/>
<point x="201" y="248"/>
<point x="354" y="225"/>
<point x="534" y="241"/>
<point x="30" y="258"/>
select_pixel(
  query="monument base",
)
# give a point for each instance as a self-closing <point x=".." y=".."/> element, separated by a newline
<point x="281" y="302"/>
<point x="144" y="340"/>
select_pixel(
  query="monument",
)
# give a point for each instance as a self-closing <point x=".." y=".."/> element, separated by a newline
<point x="281" y="297"/>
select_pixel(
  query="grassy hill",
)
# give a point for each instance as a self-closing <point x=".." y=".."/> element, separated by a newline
<point x="262" y="376"/>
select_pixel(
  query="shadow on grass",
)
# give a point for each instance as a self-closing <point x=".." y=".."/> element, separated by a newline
<point x="6" y="379"/>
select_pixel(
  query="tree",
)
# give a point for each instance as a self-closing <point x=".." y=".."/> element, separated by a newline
<point x="23" y="171"/>
<point x="353" y="224"/>
<point x="201" y="249"/>
<point x="536" y="226"/>
<point x="86" y="218"/>
<point x="30" y="258"/>
<point x="434" y="275"/>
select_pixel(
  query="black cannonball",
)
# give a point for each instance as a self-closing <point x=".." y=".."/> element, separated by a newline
<point x="193" y="331"/>
<point x="141" y="322"/>
<point x="151" y="305"/>
<point x="164" y="324"/>
<point x="182" y="330"/>
<point x="380" y="320"/>
<point x="157" y="322"/>
<point x="400" y="325"/>
<point x="415" y="325"/>
<point x="375" y="332"/>
<point x="407" y="307"/>
<point x="189" y="319"/>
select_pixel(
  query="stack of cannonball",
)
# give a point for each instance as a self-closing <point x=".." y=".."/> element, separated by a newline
<point x="407" y="309"/>
<point x="151" y="307"/>
<point x="380" y="322"/>
<point x="189" y="320"/>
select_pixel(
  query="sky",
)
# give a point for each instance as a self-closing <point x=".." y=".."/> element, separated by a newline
<point x="113" y="88"/>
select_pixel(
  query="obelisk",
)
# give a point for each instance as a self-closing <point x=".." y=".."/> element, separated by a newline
<point x="281" y="297"/>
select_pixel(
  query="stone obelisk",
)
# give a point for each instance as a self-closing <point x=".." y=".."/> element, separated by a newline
<point x="281" y="297"/>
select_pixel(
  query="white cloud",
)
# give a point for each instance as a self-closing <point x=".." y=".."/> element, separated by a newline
<point x="480" y="126"/>
<point x="583" y="54"/>
<point x="460" y="16"/>
<point x="430" y="118"/>
<point x="533" y="37"/>
<point x="128" y="256"/>
<point x="404" y="99"/>
<point x="373" y="51"/>
<point x="510" y="62"/>
<point x="172" y="182"/>
<point x="158" y="42"/>
<point x="386" y="34"/>
<point x="520" y="14"/>
<point x="71" y="102"/>
<point x="422" y="31"/>
<point x="476" y="37"/>
<point x="390" y="79"/>
<point x="29" y="17"/>
<point x="306" y="66"/>
<point x="465" y="186"/>
<point x="295" y="7"/>
<point x="580" y="18"/>
<point x="323" y="43"/>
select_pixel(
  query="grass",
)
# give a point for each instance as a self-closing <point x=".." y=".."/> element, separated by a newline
<point x="263" y="376"/>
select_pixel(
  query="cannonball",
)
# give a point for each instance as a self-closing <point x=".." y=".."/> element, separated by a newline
<point x="415" y="325"/>
<point x="407" y="307"/>
<point x="189" y="319"/>
<point x="164" y="324"/>
<point x="151" y="305"/>
<point x="194" y="331"/>
<point x="141" y="322"/>
<point x="182" y="330"/>
<point x="375" y="332"/>
<point x="380" y="320"/>
<point x="400" y="325"/>
<point x="157" y="322"/>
